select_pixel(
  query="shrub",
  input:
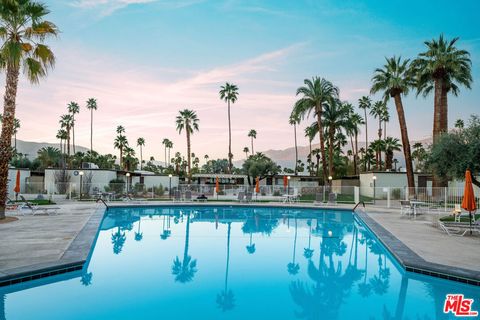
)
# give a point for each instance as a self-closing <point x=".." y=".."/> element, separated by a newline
<point x="396" y="193"/>
<point x="116" y="185"/>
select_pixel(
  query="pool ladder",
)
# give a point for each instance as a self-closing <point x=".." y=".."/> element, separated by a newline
<point x="359" y="203"/>
<point x="103" y="201"/>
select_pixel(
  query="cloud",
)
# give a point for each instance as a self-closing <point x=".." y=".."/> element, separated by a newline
<point x="107" y="7"/>
<point x="147" y="102"/>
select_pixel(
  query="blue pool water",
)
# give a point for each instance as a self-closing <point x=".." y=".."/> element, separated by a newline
<point x="233" y="263"/>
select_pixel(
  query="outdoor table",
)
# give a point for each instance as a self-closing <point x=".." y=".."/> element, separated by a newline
<point x="415" y="204"/>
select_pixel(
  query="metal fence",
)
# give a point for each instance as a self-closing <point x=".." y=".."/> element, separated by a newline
<point x="388" y="197"/>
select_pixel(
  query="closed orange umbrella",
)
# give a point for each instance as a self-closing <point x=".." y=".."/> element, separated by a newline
<point x="217" y="185"/>
<point x="468" y="202"/>
<point x="285" y="182"/>
<point x="257" y="185"/>
<point x="17" y="184"/>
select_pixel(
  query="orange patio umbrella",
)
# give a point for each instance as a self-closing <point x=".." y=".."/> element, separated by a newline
<point x="468" y="202"/>
<point x="17" y="185"/>
<point x="257" y="185"/>
<point x="285" y="182"/>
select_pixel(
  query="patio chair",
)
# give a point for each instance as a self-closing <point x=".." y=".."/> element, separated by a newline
<point x="177" y="196"/>
<point x="241" y="196"/>
<point x="406" y="207"/>
<point x="248" y="197"/>
<point x="318" y="199"/>
<point x="35" y="209"/>
<point x="458" y="213"/>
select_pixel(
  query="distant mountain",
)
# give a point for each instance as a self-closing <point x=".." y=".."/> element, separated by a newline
<point x="30" y="149"/>
<point x="286" y="157"/>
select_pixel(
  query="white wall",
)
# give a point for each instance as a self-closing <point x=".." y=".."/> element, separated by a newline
<point x="100" y="179"/>
<point x="12" y="179"/>
<point x="155" y="180"/>
<point x="393" y="180"/>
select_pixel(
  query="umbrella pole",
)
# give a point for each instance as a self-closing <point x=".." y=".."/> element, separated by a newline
<point x="470" y="218"/>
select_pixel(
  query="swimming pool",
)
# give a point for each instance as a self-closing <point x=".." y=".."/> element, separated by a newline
<point x="233" y="263"/>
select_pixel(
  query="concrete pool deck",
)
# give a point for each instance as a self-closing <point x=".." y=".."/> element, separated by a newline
<point x="37" y="246"/>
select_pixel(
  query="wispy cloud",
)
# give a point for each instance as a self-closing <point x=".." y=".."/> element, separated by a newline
<point x="107" y="7"/>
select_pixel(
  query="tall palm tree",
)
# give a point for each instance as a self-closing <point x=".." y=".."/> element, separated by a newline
<point x="354" y="121"/>
<point x="165" y="144"/>
<point x="48" y="156"/>
<point x="23" y="31"/>
<point x="66" y="122"/>
<point x="16" y="126"/>
<point x="252" y="134"/>
<point x="293" y="121"/>
<point x="61" y="135"/>
<point x="246" y="150"/>
<point x="314" y="94"/>
<point x="229" y="93"/>
<point x="365" y="103"/>
<point x="91" y="105"/>
<point x="73" y="109"/>
<point x="294" y="267"/>
<point x="459" y="124"/>
<point x="141" y="143"/>
<point x="377" y="112"/>
<point x="442" y="68"/>
<point x="394" y="80"/>
<point x="206" y="158"/>
<point x="187" y="120"/>
<point x="310" y="133"/>
<point x="169" y="146"/>
<point x="385" y="119"/>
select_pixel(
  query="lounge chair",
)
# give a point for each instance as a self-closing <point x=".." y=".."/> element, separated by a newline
<point x="177" y="196"/>
<point x="39" y="209"/>
<point x="406" y="207"/>
<point x="318" y="199"/>
<point x="459" y="229"/>
<point x="188" y="196"/>
<point x="458" y="213"/>
<point x="241" y="196"/>
<point x="248" y="197"/>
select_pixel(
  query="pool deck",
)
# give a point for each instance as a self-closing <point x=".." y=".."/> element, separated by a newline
<point x="38" y="246"/>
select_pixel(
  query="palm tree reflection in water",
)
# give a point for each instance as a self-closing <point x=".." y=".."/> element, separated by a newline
<point x="185" y="270"/>
<point x="138" y="234"/>
<point x="118" y="240"/>
<point x="166" y="232"/>
<point x="308" y="252"/>
<point x="293" y="267"/>
<point x="226" y="298"/>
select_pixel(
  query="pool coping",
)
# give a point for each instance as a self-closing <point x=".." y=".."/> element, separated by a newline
<point x="411" y="261"/>
<point x="73" y="258"/>
<point x="80" y="249"/>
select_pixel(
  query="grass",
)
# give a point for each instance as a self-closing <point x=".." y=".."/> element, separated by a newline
<point x="345" y="198"/>
<point x="39" y="202"/>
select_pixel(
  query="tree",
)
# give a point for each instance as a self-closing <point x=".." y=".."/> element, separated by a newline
<point x="66" y="122"/>
<point x="246" y="150"/>
<point x="229" y="93"/>
<point x="457" y="151"/>
<point x="377" y="112"/>
<point x="169" y="146"/>
<point x="73" y="109"/>
<point x="259" y="165"/>
<point x="61" y="135"/>
<point x="23" y="31"/>
<point x="353" y="123"/>
<point x="365" y="103"/>
<point x="187" y="120"/>
<point x="165" y="143"/>
<point x="310" y="133"/>
<point x="16" y="126"/>
<point x="334" y="118"/>
<point x="252" y="134"/>
<point x="459" y="124"/>
<point x="385" y="119"/>
<point x="313" y="95"/>
<point x="293" y="121"/>
<point x="120" y="143"/>
<point x="91" y="105"/>
<point x="185" y="270"/>
<point x="141" y="143"/>
<point x="48" y="157"/>
<point x="391" y="145"/>
<point x="394" y="80"/>
<point x="442" y="68"/>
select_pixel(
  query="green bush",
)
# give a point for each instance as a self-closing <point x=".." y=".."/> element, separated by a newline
<point x="396" y="193"/>
<point x="117" y="185"/>
<point x="158" y="191"/>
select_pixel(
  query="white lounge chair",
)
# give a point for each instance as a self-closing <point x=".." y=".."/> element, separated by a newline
<point x="188" y="196"/>
<point x="241" y="196"/>
<point x="406" y="207"/>
<point x="39" y="209"/>
<point x="459" y="229"/>
<point x="248" y="197"/>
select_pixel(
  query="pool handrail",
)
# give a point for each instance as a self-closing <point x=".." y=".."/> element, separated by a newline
<point x="360" y="202"/>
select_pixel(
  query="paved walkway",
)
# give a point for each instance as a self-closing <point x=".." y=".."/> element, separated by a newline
<point x="34" y="240"/>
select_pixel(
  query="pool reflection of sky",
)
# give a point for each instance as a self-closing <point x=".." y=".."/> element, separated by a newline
<point x="223" y="263"/>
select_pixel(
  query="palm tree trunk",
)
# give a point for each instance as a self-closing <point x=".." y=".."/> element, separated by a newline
<point x="406" y="144"/>
<point x="353" y="156"/>
<point x="296" y="148"/>
<point x="253" y="152"/>
<point x="439" y="127"/>
<point x="384" y="130"/>
<point x="73" y="134"/>
<point x="166" y="165"/>
<point x="322" y="141"/>
<point x="7" y="131"/>
<point x="141" y="157"/>
<point x="379" y="139"/>
<point x="188" y="153"/>
<point x="121" y="158"/>
<point x="230" y="165"/>
<point x="169" y="157"/>
<point x="68" y="141"/>
<point x="91" y="129"/>
<point x="331" y="134"/>
<point x="356" y="152"/>
<point x="366" y="130"/>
